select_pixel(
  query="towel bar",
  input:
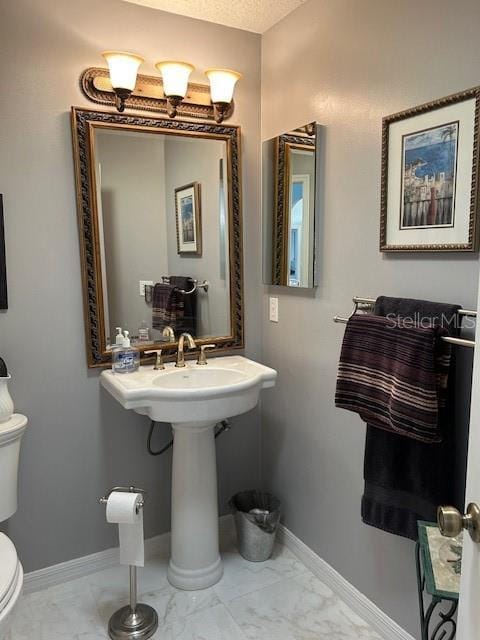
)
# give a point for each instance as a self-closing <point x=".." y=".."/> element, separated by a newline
<point x="165" y="279"/>
<point x="196" y="285"/>
<point x="364" y="304"/>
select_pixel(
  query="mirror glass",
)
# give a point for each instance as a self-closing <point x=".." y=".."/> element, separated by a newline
<point x="290" y="205"/>
<point x="163" y="229"/>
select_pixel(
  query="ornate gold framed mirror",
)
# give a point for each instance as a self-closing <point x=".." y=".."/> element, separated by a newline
<point x="160" y="222"/>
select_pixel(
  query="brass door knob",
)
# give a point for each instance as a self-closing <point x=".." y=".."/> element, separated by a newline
<point x="451" y="522"/>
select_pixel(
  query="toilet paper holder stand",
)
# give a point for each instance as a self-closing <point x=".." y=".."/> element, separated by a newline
<point x="140" y="505"/>
<point x="135" y="621"/>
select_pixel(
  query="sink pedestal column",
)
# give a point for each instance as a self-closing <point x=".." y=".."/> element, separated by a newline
<point x="195" y="559"/>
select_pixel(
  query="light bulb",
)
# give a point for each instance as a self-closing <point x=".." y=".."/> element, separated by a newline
<point x="123" y="68"/>
<point x="222" y="84"/>
<point x="175" y="77"/>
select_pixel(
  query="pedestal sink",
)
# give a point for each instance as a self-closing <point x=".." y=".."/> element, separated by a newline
<point x="193" y="399"/>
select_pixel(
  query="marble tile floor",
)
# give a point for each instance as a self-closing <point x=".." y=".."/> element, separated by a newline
<point x="275" y="600"/>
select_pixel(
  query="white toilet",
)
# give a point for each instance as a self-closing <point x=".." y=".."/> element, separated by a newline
<point x="11" y="572"/>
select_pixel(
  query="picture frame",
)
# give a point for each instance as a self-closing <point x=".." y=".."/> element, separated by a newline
<point x="429" y="183"/>
<point x="3" y="262"/>
<point x="188" y="218"/>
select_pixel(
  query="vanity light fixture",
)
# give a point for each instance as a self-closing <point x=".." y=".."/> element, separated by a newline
<point x="222" y="86"/>
<point x="175" y="77"/>
<point x="123" y="68"/>
<point x="122" y="82"/>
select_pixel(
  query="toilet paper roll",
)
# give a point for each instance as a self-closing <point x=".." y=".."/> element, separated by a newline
<point x="122" y="510"/>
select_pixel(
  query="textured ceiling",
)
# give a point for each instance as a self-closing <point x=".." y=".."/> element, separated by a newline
<point x="251" y="15"/>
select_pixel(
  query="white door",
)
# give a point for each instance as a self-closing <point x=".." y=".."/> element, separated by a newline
<point x="469" y="604"/>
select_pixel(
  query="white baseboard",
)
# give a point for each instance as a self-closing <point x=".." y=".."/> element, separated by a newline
<point x="387" y="628"/>
<point x="79" y="567"/>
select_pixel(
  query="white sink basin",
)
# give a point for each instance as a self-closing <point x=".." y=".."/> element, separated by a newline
<point x="199" y="378"/>
<point x="223" y="388"/>
<point x="193" y="399"/>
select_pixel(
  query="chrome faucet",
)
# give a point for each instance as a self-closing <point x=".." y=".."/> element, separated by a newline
<point x="180" y="353"/>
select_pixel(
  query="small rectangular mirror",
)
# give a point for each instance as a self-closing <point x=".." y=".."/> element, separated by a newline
<point x="290" y="207"/>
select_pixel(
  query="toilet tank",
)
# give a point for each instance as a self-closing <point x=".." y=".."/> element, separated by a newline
<point x="11" y="432"/>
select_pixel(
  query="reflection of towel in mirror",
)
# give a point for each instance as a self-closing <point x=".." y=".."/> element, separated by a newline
<point x="172" y="308"/>
<point x="189" y="320"/>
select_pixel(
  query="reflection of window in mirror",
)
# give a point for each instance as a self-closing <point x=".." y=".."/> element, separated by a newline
<point x="106" y="314"/>
<point x="299" y="225"/>
<point x="222" y="208"/>
<point x="301" y="195"/>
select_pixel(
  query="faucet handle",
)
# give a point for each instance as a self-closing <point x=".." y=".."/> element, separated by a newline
<point x="202" y="358"/>
<point x="158" y="366"/>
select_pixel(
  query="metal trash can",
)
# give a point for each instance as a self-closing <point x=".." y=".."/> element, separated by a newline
<point x="256" y="517"/>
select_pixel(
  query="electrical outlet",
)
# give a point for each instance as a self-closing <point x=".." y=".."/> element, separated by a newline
<point x="142" y="284"/>
<point x="273" y="310"/>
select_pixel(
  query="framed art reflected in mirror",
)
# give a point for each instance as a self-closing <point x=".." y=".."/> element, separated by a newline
<point x="188" y="215"/>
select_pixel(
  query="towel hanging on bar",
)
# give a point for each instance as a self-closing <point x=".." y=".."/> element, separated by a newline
<point x="394" y="377"/>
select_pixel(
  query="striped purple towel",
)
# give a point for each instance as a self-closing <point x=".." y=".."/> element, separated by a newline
<point x="394" y="375"/>
<point x="167" y="306"/>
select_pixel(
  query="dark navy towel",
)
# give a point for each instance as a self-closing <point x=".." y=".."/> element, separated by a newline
<point x="406" y="480"/>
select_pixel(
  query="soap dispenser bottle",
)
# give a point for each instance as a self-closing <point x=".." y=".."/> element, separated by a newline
<point x="119" y="337"/>
<point x="118" y="344"/>
<point x="126" y="359"/>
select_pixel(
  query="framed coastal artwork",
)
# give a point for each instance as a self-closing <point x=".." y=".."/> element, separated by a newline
<point x="188" y="214"/>
<point x="429" y="196"/>
<point x="3" y="263"/>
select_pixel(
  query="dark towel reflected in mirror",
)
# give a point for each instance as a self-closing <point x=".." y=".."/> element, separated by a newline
<point x="174" y="304"/>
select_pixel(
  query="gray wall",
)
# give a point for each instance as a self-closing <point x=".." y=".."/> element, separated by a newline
<point x="346" y="64"/>
<point x="197" y="160"/>
<point x="80" y="441"/>
<point x="134" y="222"/>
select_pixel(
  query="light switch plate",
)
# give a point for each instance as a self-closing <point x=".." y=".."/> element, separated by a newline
<point x="273" y="310"/>
<point x="142" y="284"/>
